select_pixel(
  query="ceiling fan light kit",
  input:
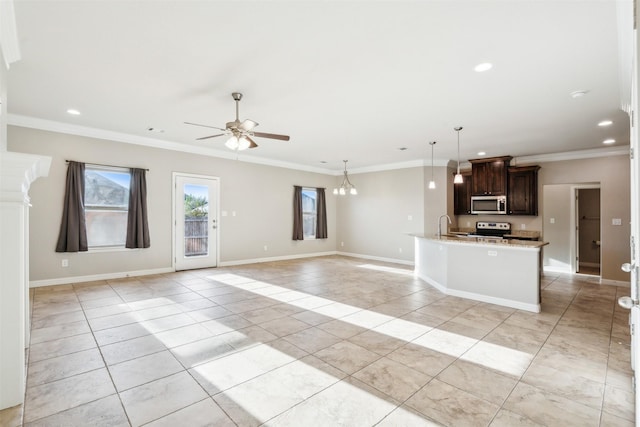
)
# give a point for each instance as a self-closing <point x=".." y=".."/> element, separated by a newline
<point x="241" y="131"/>
<point x="346" y="185"/>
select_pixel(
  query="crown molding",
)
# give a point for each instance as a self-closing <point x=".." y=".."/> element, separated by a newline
<point x="60" y="127"/>
<point x="9" y="46"/>
<point x="572" y="155"/>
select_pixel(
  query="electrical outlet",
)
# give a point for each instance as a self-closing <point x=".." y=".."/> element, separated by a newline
<point x="468" y="223"/>
<point x="400" y="250"/>
<point x="410" y="218"/>
<point x="493" y="253"/>
<point x="616" y="221"/>
<point x="265" y="248"/>
<point x="65" y="263"/>
<point x="552" y="220"/>
<point x="341" y="243"/>
<point x="523" y="226"/>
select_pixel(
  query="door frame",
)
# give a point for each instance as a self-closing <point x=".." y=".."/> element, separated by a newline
<point x="174" y="177"/>
<point x="573" y="224"/>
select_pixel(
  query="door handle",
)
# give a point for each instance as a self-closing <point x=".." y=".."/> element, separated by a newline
<point x="627" y="302"/>
<point x="627" y="267"/>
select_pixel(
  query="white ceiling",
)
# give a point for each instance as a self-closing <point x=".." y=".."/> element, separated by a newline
<point x="350" y="80"/>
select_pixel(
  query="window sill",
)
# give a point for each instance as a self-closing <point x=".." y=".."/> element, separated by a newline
<point x="109" y="249"/>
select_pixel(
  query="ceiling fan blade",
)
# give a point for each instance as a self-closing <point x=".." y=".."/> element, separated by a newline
<point x="271" y="135"/>
<point x="204" y="126"/>
<point x="247" y="125"/>
<point x="252" y="143"/>
<point x="210" y="136"/>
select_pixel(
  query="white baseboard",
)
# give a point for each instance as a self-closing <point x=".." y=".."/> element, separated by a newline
<point x="94" y="277"/>
<point x="610" y="282"/>
<point x="557" y="269"/>
<point x="377" y="258"/>
<point x="535" y="308"/>
<point x="275" y="258"/>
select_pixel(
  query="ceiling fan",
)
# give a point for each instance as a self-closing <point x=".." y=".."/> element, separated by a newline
<point x="241" y="132"/>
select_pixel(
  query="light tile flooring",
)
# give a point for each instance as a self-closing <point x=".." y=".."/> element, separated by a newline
<point x="322" y="342"/>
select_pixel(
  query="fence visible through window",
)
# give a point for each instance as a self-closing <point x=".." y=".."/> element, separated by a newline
<point x="196" y="236"/>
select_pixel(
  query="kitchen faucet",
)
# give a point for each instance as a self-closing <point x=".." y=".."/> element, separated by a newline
<point x="440" y="223"/>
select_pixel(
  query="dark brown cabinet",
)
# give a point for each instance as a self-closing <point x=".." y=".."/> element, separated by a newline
<point x="523" y="190"/>
<point x="489" y="176"/>
<point x="462" y="195"/>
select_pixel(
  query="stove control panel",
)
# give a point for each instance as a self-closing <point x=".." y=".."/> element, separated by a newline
<point x="501" y="226"/>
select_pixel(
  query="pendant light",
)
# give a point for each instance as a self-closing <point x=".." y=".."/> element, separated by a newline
<point x="346" y="185"/>
<point x="458" y="178"/>
<point x="432" y="183"/>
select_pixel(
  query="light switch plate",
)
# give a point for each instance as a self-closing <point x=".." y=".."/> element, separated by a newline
<point x="616" y="221"/>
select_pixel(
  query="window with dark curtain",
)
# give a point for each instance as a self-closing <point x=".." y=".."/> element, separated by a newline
<point x="73" y="230"/>
<point x="298" y="233"/>
<point x="137" y="223"/>
<point x="321" y="216"/>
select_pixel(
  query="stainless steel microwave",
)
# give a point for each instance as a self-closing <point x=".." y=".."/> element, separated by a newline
<point x="489" y="205"/>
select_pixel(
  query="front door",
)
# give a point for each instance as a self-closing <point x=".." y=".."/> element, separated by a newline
<point x="195" y="221"/>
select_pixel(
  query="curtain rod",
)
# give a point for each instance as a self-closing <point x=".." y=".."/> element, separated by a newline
<point x="100" y="164"/>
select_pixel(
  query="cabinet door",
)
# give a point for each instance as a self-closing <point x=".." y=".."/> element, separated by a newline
<point x="523" y="191"/>
<point x="462" y="195"/>
<point x="496" y="178"/>
<point x="479" y="180"/>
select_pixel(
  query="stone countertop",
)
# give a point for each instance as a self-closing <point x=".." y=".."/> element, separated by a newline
<point x="465" y="240"/>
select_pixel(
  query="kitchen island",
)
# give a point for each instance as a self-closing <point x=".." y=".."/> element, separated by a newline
<point x="498" y="271"/>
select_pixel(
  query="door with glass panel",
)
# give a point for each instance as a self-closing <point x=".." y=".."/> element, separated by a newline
<point x="195" y="221"/>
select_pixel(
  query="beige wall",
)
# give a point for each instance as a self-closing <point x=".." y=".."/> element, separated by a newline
<point x="261" y="196"/>
<point x="376" y="222"/>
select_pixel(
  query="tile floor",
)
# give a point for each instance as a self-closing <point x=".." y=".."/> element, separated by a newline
<point x="322" y="342"/>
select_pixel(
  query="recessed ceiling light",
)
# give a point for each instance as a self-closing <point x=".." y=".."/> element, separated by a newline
<point x="485" y="66"/>
<point x="579" y="93"/>
<point x="73" y="112"/>
<point x="481" y="153"/>
<point x="605" y="123"/>
<point x="402" y="148"/>
<point x="609" y="141"/>
<point x="323" y="161"/>
<point x="156" y="130"/>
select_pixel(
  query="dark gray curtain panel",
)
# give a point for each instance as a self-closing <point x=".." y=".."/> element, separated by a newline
<point x="321" y="214"/>
<point x="137" y="223"/>
<point x="73" y="229"/>
<point x="298" y="234"/>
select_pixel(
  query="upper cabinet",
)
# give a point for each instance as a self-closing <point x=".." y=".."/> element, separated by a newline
<point x="523" y="190"/>
<point x="462" y="195"/>
<point x="489" y="176"/>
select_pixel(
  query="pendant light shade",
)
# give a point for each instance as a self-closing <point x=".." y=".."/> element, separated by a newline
<point x="346" y="186"/>
<point x="458" y="178"/>
<point x="432" y="183"/>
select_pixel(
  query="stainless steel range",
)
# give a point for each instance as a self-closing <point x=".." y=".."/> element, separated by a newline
<point x="493" y="230"/>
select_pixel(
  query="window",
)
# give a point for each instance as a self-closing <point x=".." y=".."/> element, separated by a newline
<point x="309" y="212"/>
<point x="106" y="202"/>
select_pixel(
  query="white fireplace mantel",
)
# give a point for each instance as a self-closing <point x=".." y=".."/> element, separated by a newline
<point x="17" y="172"/>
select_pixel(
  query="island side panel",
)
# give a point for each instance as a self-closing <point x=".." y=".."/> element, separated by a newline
<point x="431" y="262"/>
<point x="498" y="274"/>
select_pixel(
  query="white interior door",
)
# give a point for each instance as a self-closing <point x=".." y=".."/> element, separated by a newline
<point x="632" y="266"/>
<point x="195" y="221"/>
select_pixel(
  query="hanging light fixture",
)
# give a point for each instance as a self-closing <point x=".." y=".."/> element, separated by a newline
<point x="432" y="183"/>
<point x="458" y="178"/>
<point x="346" y="184"/>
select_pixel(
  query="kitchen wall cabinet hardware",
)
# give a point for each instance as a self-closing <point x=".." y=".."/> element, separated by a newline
<point x="462" y="195"/>
<point x="522" y="198"/>
<point x="489" y="176"/>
